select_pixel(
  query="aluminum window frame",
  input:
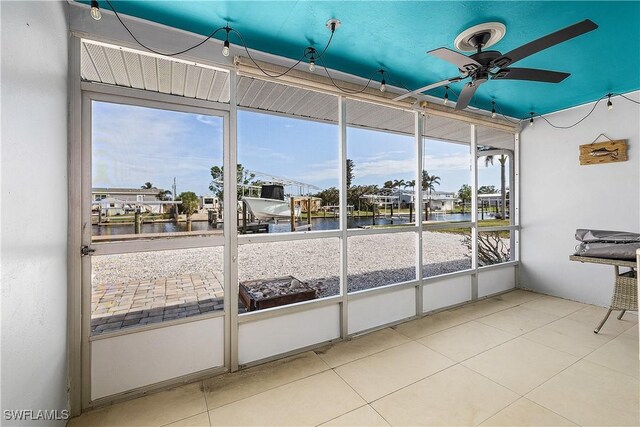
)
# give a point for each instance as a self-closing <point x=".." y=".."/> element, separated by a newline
<point x="90" y="92"/>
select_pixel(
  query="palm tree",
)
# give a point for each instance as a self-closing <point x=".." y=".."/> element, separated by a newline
<point x="398" y="183"/>
<point x="350" y="175"/>
<point x="428" y="184"/>
<point x="147" y="186"/>
<point x="164" y="195"/>
<point x="488" y="160"/>
<point x="411" y="184"/>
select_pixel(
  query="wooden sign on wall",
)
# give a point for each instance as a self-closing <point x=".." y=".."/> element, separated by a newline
<point x="603" y="152"/>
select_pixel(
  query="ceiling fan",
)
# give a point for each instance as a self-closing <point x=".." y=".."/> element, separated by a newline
<point x="491" y="64"/>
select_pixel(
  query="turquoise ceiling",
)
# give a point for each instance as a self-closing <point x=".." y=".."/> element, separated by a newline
<point x="396" y="34"/>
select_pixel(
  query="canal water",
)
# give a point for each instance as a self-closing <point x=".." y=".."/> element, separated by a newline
<point x="282" y="227"/>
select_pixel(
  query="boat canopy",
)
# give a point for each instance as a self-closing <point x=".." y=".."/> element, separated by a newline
<point x="272" y="191"/>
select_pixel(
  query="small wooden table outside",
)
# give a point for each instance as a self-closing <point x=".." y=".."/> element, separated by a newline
<point x="284" y="290"/>
<point x="625" y="292"/>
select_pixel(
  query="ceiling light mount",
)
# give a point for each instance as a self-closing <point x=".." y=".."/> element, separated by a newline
<point x="333" y="24"/>
<point x="482" y="35"/>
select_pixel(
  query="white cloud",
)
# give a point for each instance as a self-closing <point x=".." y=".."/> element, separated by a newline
<point x="258" y="152"/>
<point x="209" y="120"/>
<point x="383" y="167"/>
<point x="452" y="162"/>
<point x="323" y="171"/>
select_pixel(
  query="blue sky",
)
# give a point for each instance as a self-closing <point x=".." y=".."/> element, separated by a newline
<point x="133" y="145"/>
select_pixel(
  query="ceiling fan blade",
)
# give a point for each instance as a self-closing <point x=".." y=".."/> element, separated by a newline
<point x="461" y="61"/>
<point x="465" y="96"/>
<point x="545" y="42"/>
<point x="532" y="74"/>
<point x="429" y="87"/>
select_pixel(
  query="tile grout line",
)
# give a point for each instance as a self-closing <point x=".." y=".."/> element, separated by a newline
<point x="477" y="354"/>
<point x="209" y="418"/>
<point x="272" y="388"/>
<point x="466" y="321"/>
<point x="338" y="416"/>
<point x="381" y="416"/>
<point x="414" y="382"/>
<point x="182" y="419"/>
<point x="371" y="354"/>
<point x="535" y="403"/>
<point x="328" y="368"/>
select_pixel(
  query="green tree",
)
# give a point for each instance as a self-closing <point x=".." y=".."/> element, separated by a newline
<point x="464" y="194"/>
<point x="190" y="203"/>
<point x="357" y="191"/>
<point x="350" y="175"/>
<point x="487" y="189"/>
<point x="147" y="186"/>
<point x="399" y="183"/>
<point x="244" y="177"/>
<point x="163" y="195"/>
<point x="330" y="196"/>
<point x="429" y="182"/>
<point x="411" y="184"/>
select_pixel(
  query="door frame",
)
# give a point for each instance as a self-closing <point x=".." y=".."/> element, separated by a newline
<point x="82" y="185"/>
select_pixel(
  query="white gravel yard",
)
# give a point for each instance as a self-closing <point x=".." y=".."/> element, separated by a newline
<point x="373" y="260"/>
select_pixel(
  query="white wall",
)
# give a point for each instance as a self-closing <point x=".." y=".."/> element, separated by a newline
<point x="130" y="361"/>
<point x="558" y="196"/>
<point x="34" y="206"/>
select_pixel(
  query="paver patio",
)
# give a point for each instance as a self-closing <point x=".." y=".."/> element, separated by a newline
<point x="124" y="304"/>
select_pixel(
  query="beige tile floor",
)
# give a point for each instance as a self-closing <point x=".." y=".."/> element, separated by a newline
<point x="521" y="359"/>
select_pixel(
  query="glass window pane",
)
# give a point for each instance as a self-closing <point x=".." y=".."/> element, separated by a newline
<point x="280" y="273"/>
<point x="446" y="171"/>
<point x="381" y="259"/>
<point x="288" y="155"/>
<point x="136" y="289"/>
<point x="151" y="172"/>
<point x="381" y="165"/>
<point x="494" y="247"/>
<point x="446" y="251"/>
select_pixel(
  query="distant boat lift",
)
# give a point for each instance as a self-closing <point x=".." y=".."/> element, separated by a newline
<point x="303" y="189"/>
<point x="380" y="200"/>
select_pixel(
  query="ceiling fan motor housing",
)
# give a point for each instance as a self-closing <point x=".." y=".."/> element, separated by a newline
<point x="482" y="58"/>
<point x="479" y="40"/>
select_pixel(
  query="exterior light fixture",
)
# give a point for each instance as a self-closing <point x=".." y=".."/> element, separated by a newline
<point x="493" y="109"/>
<point x="383" y="83"/>
<point x="225" y="46"/>
<point x="609" y="103"/>
<point x="446" y="95"/>
<point x="312" y="60"/>
<point x="531" y="119"/>
<point x="95" y="10"/>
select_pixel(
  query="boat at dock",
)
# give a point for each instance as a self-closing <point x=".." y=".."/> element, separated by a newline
<point x="271" y="205"/>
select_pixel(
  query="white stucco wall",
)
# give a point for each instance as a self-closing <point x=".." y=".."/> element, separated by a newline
<point x="558" y="196"/>
<point x="34" y="206"/>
